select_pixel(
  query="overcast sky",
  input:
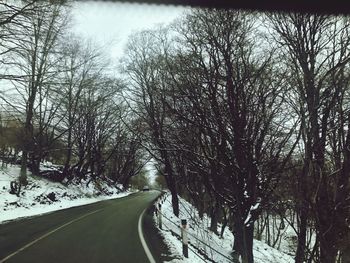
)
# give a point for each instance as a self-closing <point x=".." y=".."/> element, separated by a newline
<point x="110" y="23"/>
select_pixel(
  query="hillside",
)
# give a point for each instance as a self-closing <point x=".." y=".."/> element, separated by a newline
<point x="204" y="244"/>
<point x="42" y="196"/>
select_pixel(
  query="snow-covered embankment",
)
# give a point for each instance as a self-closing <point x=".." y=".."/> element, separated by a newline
<point x="42" y="196"/>
<point x="204" y="241"/>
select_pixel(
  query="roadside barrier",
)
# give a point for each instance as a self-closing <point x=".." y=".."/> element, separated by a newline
<point x="183" y="235"/>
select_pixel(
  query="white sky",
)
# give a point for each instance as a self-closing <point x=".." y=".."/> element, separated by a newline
<point x="110" y="23"/>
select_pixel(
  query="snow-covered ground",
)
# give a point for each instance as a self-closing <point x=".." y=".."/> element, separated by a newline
<point x="287" y="236"/>
<point x="42" y="196"/>
<point x="218" y="250"/>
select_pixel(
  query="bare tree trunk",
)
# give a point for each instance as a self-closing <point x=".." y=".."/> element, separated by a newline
<point x="328" y="251"/>
<point x="300" y="253"/>
<point x="172" y="187"/>
<point x="23" y="172"/>
<point x="345" y="254"/>
<point x="28" y="135"/>
<point x="225" y="221"/>
<point x="214" y="217"/>
<point x="243" y="242"/>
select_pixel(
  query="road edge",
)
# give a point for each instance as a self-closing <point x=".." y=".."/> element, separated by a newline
<point x="142" y="238"/>
<point x="60" y="209"/>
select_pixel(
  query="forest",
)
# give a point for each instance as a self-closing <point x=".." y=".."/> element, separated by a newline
<point x="246" y="115"/>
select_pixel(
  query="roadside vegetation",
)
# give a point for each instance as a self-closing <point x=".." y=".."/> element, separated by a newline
<point x="59" y="102"/>
<point x="246" y="116"/>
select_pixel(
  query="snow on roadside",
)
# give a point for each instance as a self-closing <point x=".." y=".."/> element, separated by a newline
<point x="219" y="250"/>
<point x="42" y="196"/>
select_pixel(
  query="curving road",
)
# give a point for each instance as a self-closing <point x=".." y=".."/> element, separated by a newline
<point x="106" y="231"/>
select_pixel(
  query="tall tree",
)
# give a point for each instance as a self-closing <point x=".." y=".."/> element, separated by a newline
<point x="318" y="50"/>
<point x="236" y="98"/>
<point x="143" y="64"/>
<point x="33" y="56"/>
<point x="224" y="117"/>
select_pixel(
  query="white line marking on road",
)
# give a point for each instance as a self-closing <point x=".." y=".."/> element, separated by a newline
<point x="144" y="244"/>
<point x="47" y="234"/>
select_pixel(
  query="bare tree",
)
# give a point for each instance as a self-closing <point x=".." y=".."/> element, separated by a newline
<point x="80" y="63"/>
<point x="144" y="68"/>
<point x="10" y="11"/>
<point x="33" y="56"/>
<point x="317" y="48"/>
<point x="223" y="120"/>
<point x="236" y="98"/>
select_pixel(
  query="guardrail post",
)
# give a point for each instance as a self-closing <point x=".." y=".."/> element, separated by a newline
<point x="160" y="216"/>
<point x="184" y="238"/>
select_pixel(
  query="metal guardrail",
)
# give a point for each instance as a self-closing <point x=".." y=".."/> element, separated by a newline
<point x="179" y="238"/>
<point x="196" y="238"/>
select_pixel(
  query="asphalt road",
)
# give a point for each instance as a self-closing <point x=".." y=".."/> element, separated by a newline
<point x="101" y="232"/>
